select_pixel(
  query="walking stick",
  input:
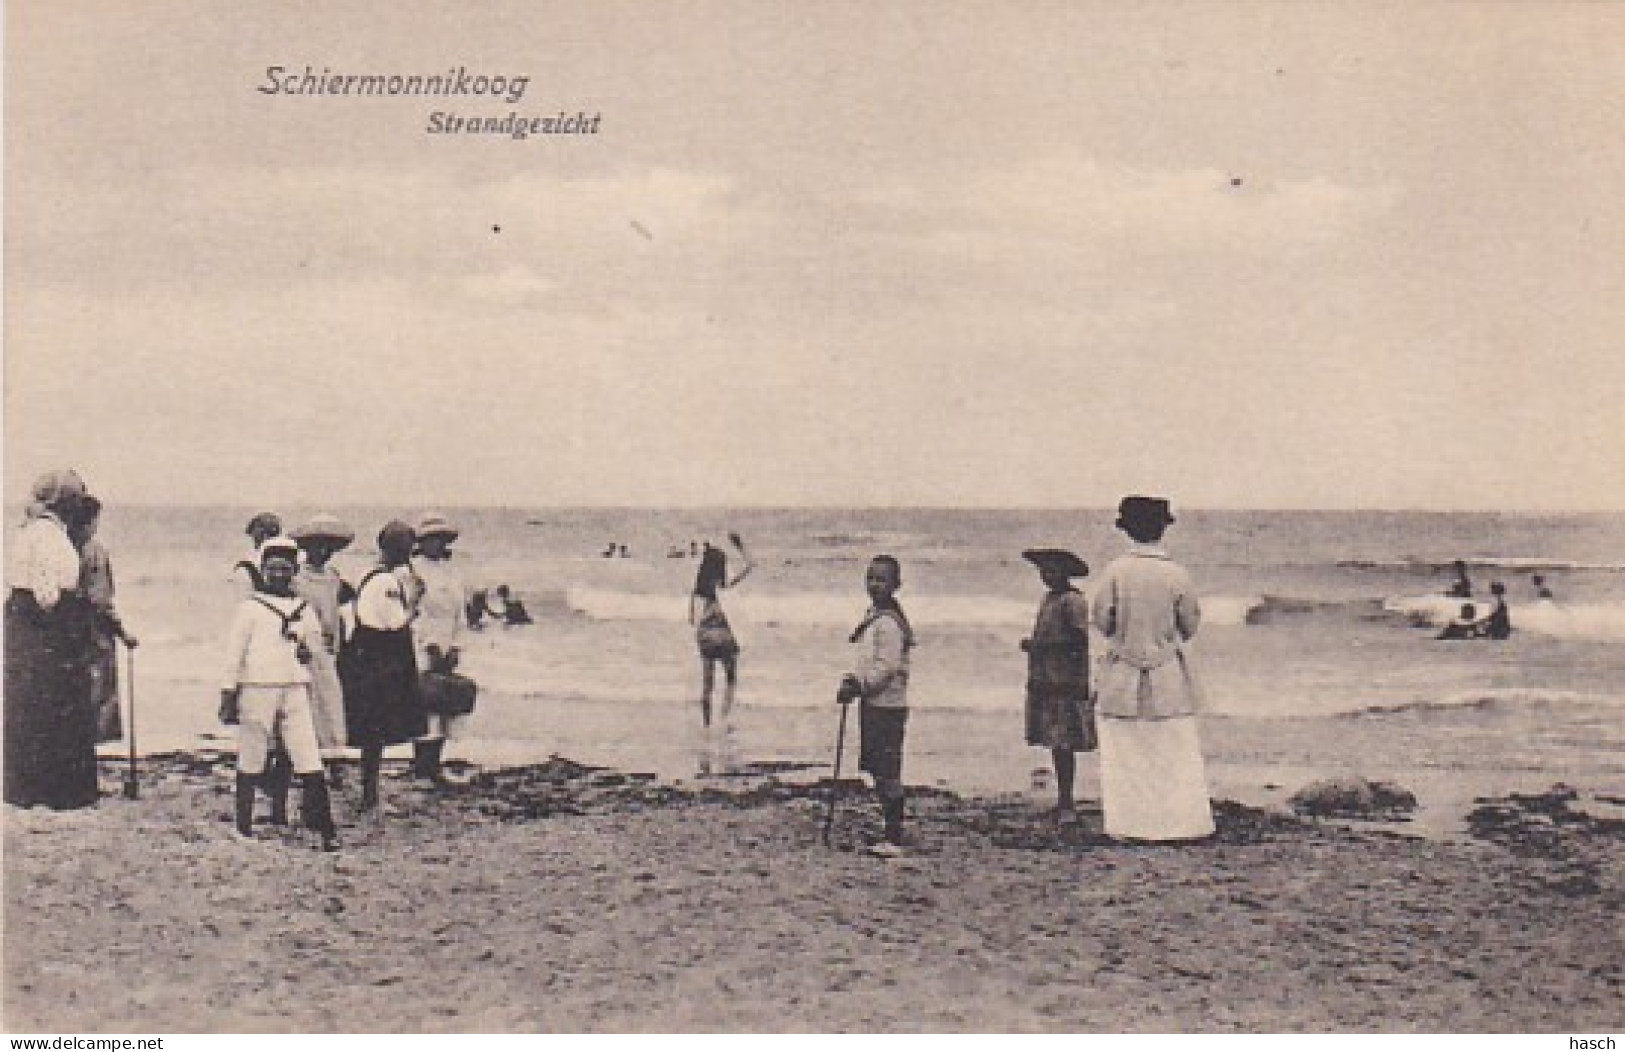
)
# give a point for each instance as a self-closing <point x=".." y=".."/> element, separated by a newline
<point x="132" y="789"/>
<point x="835" y="780"/>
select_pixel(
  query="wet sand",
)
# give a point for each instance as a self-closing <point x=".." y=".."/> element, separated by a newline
<point x="558" y="897"/>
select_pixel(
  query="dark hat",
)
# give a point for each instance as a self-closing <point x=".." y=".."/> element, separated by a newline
<point x="264" y="521"/>
<point x="323" y="528"/>
<point x="1058" y="559"/>
<point x="396" y="534"/>
<point x="1146" y="510"/>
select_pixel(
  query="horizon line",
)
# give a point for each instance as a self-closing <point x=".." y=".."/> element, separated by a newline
<point x="969" y="508"/>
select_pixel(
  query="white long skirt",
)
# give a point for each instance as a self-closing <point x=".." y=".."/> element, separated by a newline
<point x="1153" y="783"/>
<point x="326" y="703"/>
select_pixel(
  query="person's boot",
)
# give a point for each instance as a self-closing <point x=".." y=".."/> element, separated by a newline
<point x="437" y="753"/>
<point x="426" y="754"/>
<point x="318" y="809"/>
<point x="278" y="779"/>
<point x="892" y="811"/>
<point x="245" y="805"/>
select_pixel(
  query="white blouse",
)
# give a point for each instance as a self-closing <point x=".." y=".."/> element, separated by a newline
<point x="440" y="609"/>
<point x="384" y="603"/>
<point x="43" y="561"/>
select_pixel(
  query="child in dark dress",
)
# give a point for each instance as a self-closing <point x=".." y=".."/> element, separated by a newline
<point x="1059" y="713"/>
<point x="383" y="701"/>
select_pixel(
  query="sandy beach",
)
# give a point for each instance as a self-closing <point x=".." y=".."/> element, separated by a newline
<point x="557" y="897"/>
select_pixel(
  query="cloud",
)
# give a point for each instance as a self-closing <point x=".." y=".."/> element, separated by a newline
<point x="227" y="228"/>
<point x="1077" y="201"/>
<point x="628" y="325"/>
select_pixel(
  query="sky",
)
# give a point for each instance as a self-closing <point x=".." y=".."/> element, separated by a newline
<point x="899" y="253"/>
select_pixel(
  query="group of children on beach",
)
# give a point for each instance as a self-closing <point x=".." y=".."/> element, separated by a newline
<point x="313" y="664"/>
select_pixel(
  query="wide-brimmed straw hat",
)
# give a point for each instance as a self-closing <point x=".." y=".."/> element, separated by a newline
<point x="1058" y="559"/>
<point x="433" y="525"/>
<point x="323" y="528"/>
<point x="1152" y="511"/>
<point x="55" y="491"/>
<point x="52" y="486"/>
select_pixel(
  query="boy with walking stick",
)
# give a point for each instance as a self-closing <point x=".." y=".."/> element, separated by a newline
<point x="879" y="682"/>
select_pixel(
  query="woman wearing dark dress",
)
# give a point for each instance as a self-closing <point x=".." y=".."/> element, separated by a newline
<point x="107" y="630"/>
<point x="50" y="720"/>
<point x="378" y="666"/>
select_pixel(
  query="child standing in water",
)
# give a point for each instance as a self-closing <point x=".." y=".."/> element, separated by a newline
<point x="879" y="682"/>
<point x="714" y="636"/>
<point x="1059" y="713"/>
<point x="266" y="692"/>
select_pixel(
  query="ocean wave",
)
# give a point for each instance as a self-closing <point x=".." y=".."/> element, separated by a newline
<point x="1486" y="699"/>
<point x="962" y="611"/>
<point x="813" y="610"/>
<point x="1542" y="617"/>
<point x="1432" y="610"/>
<point x="1582" y="621"/>
<point x="1270" y="609"/>
<point x="1231" y="610"/>
<point x="1500" y="562"/>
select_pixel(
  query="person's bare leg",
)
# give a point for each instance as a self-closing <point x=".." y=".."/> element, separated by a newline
<point x="708" y="682"/>
<point x="730" y="680"/>
<point x="725" y="721"/>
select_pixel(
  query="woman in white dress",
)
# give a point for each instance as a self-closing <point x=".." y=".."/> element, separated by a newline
<point x="1153" y="783"/>
<point x="442" y="607"/>
<point x="319" y="584"/>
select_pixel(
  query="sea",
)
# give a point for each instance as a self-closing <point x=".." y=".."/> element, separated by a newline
<point x="1317" y="649"/>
